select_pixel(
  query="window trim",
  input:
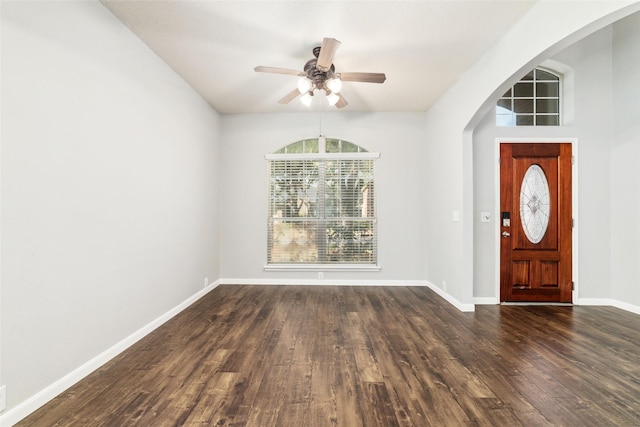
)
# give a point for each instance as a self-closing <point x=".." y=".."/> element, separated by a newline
<point x="313" y="267"/>
<point x="322" y="267"/>
<point x="322" y="156"/>
<point x="560" y="114"/>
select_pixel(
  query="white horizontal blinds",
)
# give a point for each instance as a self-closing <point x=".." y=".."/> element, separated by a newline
<point x="293" y="196"/>
<point x="322" y="211"/>
<point x="293" y="241"/>
<point x="294" y="188"/>
<point x="349" y="209"/>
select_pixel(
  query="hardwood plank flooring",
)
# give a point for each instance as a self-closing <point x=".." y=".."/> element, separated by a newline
<point x="365" y="356"/>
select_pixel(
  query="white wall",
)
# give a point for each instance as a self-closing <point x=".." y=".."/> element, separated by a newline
<point x="625" y="154"/>
<point x="399" y="137"/>
<point x="591" y="68"/>
<point x="110" y="180"/>
<point x="109" y="188"/>
<point x="449" y="159"/>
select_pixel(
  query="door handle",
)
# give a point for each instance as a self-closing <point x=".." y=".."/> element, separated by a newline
<point x="506" y="234"/>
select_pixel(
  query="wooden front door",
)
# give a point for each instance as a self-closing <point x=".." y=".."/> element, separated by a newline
<point x="535" y="222"/>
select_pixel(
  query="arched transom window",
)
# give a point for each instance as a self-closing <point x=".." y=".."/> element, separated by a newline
<point x="322" y="205"/>
<point x="533" y="101"/>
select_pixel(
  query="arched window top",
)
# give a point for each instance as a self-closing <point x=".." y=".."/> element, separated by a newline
<point x="532" y="101"/>
<point x="321" y="145"/>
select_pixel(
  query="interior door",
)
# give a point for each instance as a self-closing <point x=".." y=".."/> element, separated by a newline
<point x="535" y="222"/>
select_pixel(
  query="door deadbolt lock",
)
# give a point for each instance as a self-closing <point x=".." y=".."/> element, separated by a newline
<point x="506" y="219"/>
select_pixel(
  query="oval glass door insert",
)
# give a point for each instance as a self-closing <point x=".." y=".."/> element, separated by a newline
<point x="535" y="203"/>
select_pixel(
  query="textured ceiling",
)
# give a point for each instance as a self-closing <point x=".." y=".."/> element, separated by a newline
<point x="422" y="46"/>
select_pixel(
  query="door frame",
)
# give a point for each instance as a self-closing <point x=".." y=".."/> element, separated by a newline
<point x="574" y="206"/>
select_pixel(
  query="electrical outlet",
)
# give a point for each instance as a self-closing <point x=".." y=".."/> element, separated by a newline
<point x="3" y="398"/>
<point x="320" y="275"/>
<point x="206" y="282"/>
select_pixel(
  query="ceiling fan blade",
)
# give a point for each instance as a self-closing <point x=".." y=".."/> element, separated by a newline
<point x="341" y="101"/>
<point x="275" y="70"/>
<point x="289" y="97"/>
<point x="363" y="77"/>
<point x="327" y="53"/>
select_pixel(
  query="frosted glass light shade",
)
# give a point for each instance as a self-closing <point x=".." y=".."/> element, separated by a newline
<point x="332" y="98"/>
<point x="307" y="98"/>
<point x="304" y="85"/>
<point x="334" y="85"/>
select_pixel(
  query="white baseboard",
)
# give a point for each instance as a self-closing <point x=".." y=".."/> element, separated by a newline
<point x="593" y="301"/>
<point x="486" y="301"/>
<point x="451" y="300"/>
<point x="609" y="302"/>
<point x="319" y="282"/>
<point x="627" y="307"/>
<point x="22" y="410"/>
<point x="577" y="301"/>
<point x="322" y="282"/>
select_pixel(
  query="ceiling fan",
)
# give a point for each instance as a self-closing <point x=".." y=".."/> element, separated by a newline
<point x="320" y="73"/>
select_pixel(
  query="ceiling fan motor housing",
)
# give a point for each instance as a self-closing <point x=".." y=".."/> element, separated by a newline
<point x="316" y="76"/>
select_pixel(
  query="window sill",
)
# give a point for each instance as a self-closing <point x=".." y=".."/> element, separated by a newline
<point x="321" y="267"/>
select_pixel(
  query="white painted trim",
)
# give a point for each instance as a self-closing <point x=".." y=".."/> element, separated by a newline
<point x="322" y="282"/>
<point x="315" y="282"/>
<point x="626" y="306"/>
<point x="323" y="156"/>
<point x="595" y="301"/>
<point x="321" y="267"/>
<point x="574" y="203"/>
<point x="451" y="300"/>
<point x="23" y="409"/>
<point x="606" y="302"/>
<point x="486" y="300"/>
<point x="610" y="302"/>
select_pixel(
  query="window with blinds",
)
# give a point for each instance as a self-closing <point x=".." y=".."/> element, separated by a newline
<point x="322" y="205"/>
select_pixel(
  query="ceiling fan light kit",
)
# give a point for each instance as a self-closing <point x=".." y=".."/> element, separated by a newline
<point x="307" y="98"/>
<point x="332" y="98"/>
<point x="304" y="85"/>
<point x="319" y="73"/>
<point x="334" y="84"/>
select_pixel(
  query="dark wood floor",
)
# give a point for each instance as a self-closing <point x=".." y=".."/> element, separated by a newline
<point x="365" y="356"/>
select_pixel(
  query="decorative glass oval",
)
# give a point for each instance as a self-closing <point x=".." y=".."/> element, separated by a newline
<point x="535" y="203"/>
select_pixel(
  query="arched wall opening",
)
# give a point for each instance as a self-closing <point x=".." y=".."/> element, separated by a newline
<point x="585" y="60"/>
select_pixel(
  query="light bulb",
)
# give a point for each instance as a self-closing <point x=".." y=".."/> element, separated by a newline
<point x="307" y="98"/>
<point x="334" y="85"/>
<point x="332" y="98"/>
<point x="304" y="85"/>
